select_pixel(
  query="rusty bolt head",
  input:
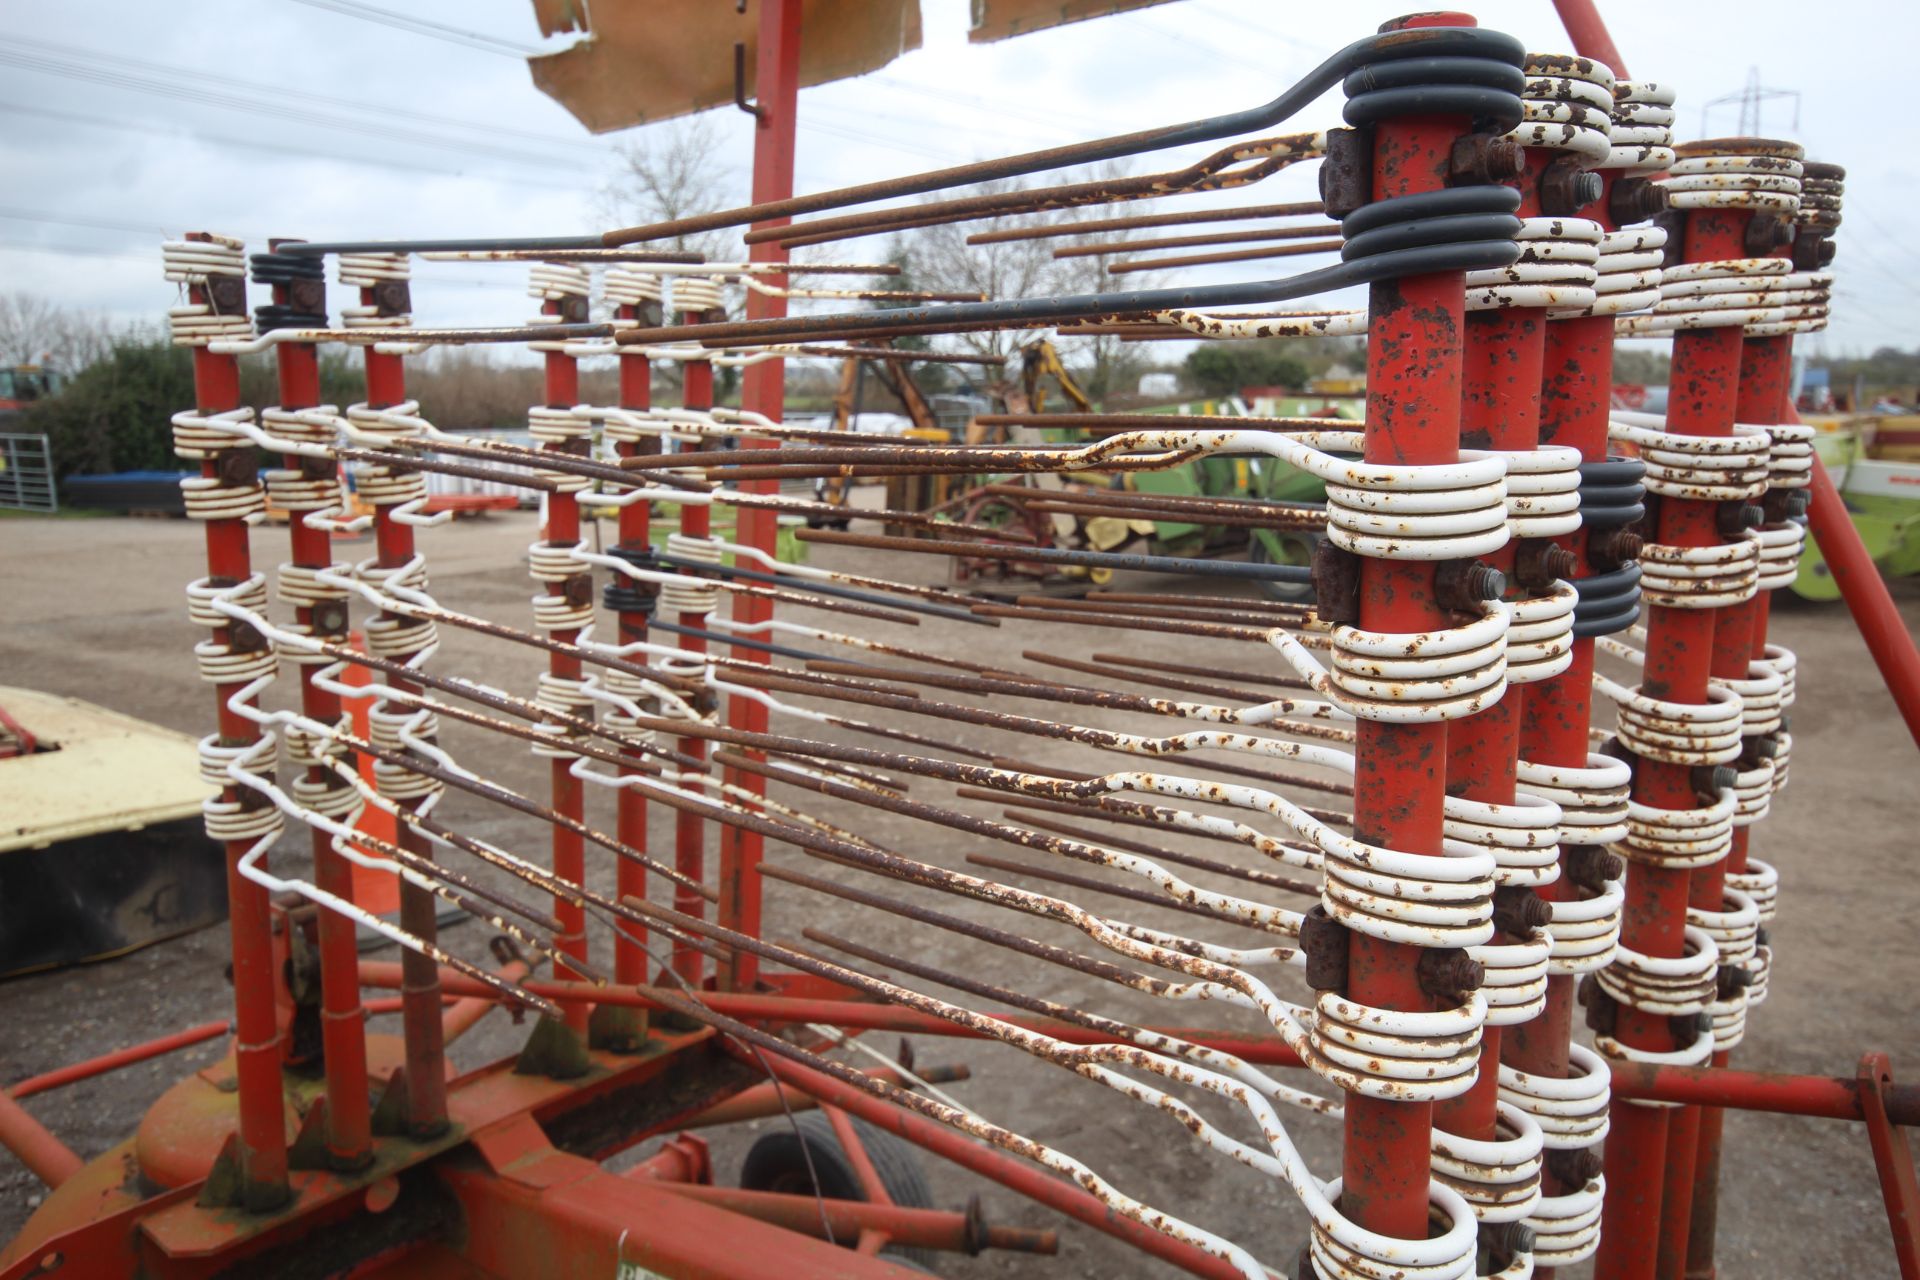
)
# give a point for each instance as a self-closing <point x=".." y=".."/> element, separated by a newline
<point x="309" y="297"/>
<point x="1448" y="973"/>
<point x="1731" y="980"/>
<point x="1566" y="188"/>
<point x="1590" y="866"/>
<point x="227" y="295"/>
<point x="1336" y="584"/>
<point x="1602" y="1010"/>
<point x="328" y="617"/>
<point x="1518" y="911"/>
<point x="318" y="468"/>
<point x="1811" y="250"/>
<point x="1574" y="1166"/>
<point x="393" y="297"/>
<point x="1465" y="584"/>
<point x="1508" y="1239"/>
<point x="237" y="468"/>
<point x="1636" y="200"/>
<point x="1735" y="518"/>
<point x="1481" y="158"/>
<point x="1324" y="941"/>
<point x="1538" y="564"/>
<point x="578" y="589"/>
<point x="1346" y="174"/>
<point x="573" y="310"/>
<point x="1765" y="233"/>
<point x="1686" y="1028"/>
<point x="1709" y="780"/>
<point x="1761" y="748"/>
<point x="243" y="638"/>
<point x="1614" y="548"/>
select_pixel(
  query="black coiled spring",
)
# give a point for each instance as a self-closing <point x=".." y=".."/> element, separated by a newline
<point x="627" y="595"/>
<point x="1611" y="498"/>
<point x="305" y="282"/>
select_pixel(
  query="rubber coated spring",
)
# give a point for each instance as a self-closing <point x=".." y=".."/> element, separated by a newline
<point x="1611" y="497"/>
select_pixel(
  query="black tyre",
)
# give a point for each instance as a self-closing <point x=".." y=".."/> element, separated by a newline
<point x="1299" y="550"/>
<point x="775" y="1163"/>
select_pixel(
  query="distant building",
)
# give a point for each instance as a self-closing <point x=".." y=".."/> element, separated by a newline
<point x="1159" y="385"/>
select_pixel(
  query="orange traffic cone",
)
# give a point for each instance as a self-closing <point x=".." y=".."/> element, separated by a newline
<point x="376" y="891"/>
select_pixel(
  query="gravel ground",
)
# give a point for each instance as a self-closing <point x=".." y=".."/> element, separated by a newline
<point x="108" y="623"/>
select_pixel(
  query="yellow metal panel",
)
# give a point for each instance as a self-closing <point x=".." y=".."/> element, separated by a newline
<point x="1001" y="19"/>
<point x="110" y="772"/>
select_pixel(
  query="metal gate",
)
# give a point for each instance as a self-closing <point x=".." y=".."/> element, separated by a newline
<point x="26" y="473"/>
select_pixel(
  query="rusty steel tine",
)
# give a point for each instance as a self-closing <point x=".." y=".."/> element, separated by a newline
<point x="1023" y="837"/>
<point x="1093" y="884"/>
<point x="1154" y="421"/>
<point x="1411" y="42"/>
<point x="1124" y="622"/>
<point x="1056" y="555"/>
<point x="1131" y="813"/>
<point x="1232" y="166"/>
<point x="510" y="799"/>
<point x="1092" y="966"/>
<point x="805" y="600"/>
<point x="1125" y="265"/>
<point x="547" y="461"/>
<point x="413" y="462"/>
<point x="1246" y="235"/>
<point x="1253" y="875"/>
<point x="1179" y="613"/>
<point x="1267" y="776"/>
<point x="1186" y="669"/>
<point x="1293" y="614"/>
<point x="1071" y="227"/>
<point x="1146" y="678"/>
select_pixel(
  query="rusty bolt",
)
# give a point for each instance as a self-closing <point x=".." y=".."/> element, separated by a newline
<point x="237" y="468"/>
<point x="1336" y="584"/>
<point x="1324" y="940"/>
<point x="1590" y="866"/>
<point x="328" y="617"/>
<point x="393" y="297"/>
<point x="1709" y="780"/>
<point x="1812" y="250"/>
<point x="1765" y="233"/>
<point x="1481" y="158"/>
<point x="1574" y="1166"/>
<point x="578" y="589"/>
<point x="1601" y="1008"/>
<point x="1731" y="980"/>
<point x="573" y="309"/>
<point x="1614" y="548"/>
<point x="243" y="638"/>
<point x="1754" y="750"/>
<point x="1518" y="910"/>
<point x="1346" y="174"/>
<point x="1685" y="1028"/>
<point x="1464" y="584"/>
<point x="227" y="295"/>
<point x="1566" y="188"/>
<point x="1449" y="973"/>
<point x="1538" y="564"/>
<point x="1735" y="518"/>
<point x="1507" y="1239"/>
<point x="318" y="468"/>
<point x="1636" y="200"/>
<point x="308" y="297"/>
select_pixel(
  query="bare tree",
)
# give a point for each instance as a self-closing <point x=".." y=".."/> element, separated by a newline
<point x="939" y="258"/>
<point x="671" y="171"/>
<point x="36" y="330"/>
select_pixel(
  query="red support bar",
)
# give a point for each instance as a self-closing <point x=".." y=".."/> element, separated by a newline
<point x="1413" y="416"/>
<point x="33" y="1144"/>
<point x="561" y="390"/>
<point x="1589" y="34"/>
<point x="421" y="1027"/>
<point x="763" y="391"/>
<point x="261" y="1141"/>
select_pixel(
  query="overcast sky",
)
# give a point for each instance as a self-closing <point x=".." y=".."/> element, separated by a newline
<point x="126" y="120"/>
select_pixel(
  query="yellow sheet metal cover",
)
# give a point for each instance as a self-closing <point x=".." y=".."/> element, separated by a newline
<point x="648" y="60"/>
<point x="110" y="772"/>
<point x="999" y="19"/>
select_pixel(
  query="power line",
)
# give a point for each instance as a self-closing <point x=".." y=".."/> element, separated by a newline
<point x="248" y="144"/>
<point x="425" y="27"/>
<point x="276" y="93"/>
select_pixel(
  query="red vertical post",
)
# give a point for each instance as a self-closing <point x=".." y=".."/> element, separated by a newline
<point x="1413" y="417"/>
<point x="561" y="391"/>
<point x="342" y="1019"/>
<point x="689" y="829"/>
<point x="633" y="602"/>
<point x="1703" y="386"/>
<point x="261" y="1139"/>
<point x="777" y="95"/>
<point x="421" y="1029"/>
